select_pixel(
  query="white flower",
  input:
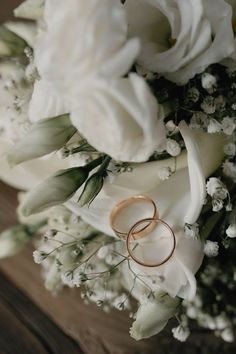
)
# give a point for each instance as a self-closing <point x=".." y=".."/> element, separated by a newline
<point x="227" y="335"/>
<point x="211" y="249"/>
<point x="216" y="189"/>
<point x="172" y="147"/>
<point x="88" y="83"/>
<point x="231" y="231"/>
<point x="230" y="149"/>
<point x="208" y="81"/>
<point x="181" y="38"/>
<point x="208" y="105"/>
<point x="39" y="256"/>
<point x="217" y="204"/>
<point x="97" y="47"/>
<point x="179" y="200"/>
<point x="229" y="169"/>
<point x="181" y="333"/>
<point x="128" y="119"/>
<point x="13" y="241"/>
<point x="228" y="125"/>
<point x="164" y="173"/>
<point x="153" y="316"/>
<point x="214" y="126"/>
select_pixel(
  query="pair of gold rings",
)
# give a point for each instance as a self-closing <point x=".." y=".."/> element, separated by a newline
<point x="141" y="228"/>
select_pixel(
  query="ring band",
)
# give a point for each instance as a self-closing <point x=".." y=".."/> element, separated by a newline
<point x="126" y="203"/>
<point x="131" y="233"/>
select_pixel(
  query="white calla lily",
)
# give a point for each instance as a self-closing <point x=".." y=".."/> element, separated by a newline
<point x="181" y="38"/>
<point x="179" y="200"/>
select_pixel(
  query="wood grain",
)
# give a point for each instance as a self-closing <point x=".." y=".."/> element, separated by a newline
<point x="35" y="332"/>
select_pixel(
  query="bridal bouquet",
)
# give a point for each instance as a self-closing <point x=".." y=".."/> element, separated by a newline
<point x="117" y="122"/>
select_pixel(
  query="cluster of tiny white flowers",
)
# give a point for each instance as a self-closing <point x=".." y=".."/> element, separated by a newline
<point x="209" y="82"/>
<point x="219" y="193"/>
<point x="164" y="173"/>
<point x="211" y="249"/>
<point x="231" y="231"/>
<point x="181" y="333"/>
<point x="173" y="147"/>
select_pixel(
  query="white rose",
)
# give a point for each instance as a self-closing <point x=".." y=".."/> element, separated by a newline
<point x="83" y="39"/>
<point x="179" y="200"/>
<point x="120" y="117"/>
<point x="181" y="38"/>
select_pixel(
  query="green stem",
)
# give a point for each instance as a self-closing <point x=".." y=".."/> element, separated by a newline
<point x="93" y="164"/>
<point x="104" y="165"/>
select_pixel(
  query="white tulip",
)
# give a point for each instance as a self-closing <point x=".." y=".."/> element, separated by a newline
<point x="128" y="120"/>
<point x="179" y="200"/>
<point x="181" y="38"/>
<point x="153" y="315"/>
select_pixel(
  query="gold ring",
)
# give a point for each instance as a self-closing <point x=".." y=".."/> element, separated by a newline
<point x="131" y="233"/>
<point x="123" y="205"/>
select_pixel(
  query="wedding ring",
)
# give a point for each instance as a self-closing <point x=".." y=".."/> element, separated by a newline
<point x="131" y="234"/>
<point x="121" y="206"/>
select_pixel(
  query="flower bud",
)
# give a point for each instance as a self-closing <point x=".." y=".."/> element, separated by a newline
<point x="91" y="189"/>
<point x="45" y="136"/>
<point x="13" y="240"/>
<point x="30" y="9"/>
<point x="153" y="316"/>
<point x="10" y="43"/>
<point x="54" y="190"/>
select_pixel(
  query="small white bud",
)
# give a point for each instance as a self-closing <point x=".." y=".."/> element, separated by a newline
<point x="181" y="333"/>
<point x="54" y="190"/>
<point x="172" y="147"/>
<point x="214" y="126"/>
<point x="211" y="249"/>
<point x="39" y="256"/>
<point x="208" y="81"/>
<point x="227" y="335"/>
<point x="231" y="231"/>
<point x="230" y="149"/>
<point x="216" y="189"/>
<point x="45" y="136"/>
<point x="13" y="240"/>
<point x="228" y="125"/>
<point x="217" y="205"/>
<point x="164" y="173"/>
